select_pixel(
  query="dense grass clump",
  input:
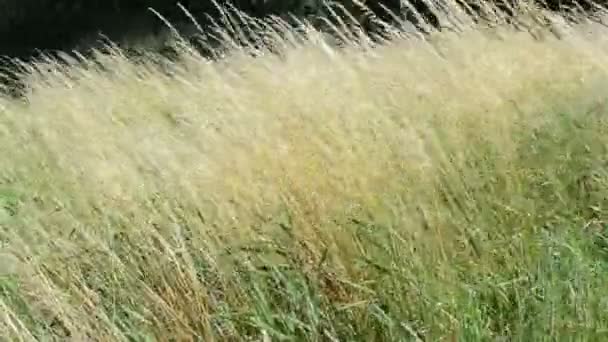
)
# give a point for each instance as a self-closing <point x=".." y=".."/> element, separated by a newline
<point x="448" y="189"/>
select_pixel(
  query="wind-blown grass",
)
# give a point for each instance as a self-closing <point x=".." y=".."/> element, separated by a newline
<point x="450" y="189"/>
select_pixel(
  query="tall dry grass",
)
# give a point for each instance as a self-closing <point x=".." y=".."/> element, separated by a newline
<point x="443" y="189"/>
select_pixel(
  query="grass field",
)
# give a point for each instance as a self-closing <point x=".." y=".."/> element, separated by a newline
<point x="450" y="190"/>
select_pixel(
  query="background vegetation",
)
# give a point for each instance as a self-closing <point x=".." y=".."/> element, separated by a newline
<point x="30" y="25"/>
<point x="452" y="188"/>
<point x="67" y="24"/>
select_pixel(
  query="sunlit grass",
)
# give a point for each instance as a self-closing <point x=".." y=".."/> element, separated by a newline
<point x="448" y="189"/>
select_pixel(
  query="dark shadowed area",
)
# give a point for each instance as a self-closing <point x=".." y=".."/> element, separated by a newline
<point x="31" y="28"/>
<point x="29" y="25"/>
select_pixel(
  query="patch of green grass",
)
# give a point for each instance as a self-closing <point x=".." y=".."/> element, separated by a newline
<point x="9" y="201"/>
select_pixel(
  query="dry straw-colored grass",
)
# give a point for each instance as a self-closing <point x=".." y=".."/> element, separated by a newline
<point x="124" y="182"/>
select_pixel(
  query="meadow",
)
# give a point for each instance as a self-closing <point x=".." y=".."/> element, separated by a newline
<point x="447" y="189"/>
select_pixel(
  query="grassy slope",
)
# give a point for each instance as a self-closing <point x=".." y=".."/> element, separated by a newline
<point x="406" y="192"/>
